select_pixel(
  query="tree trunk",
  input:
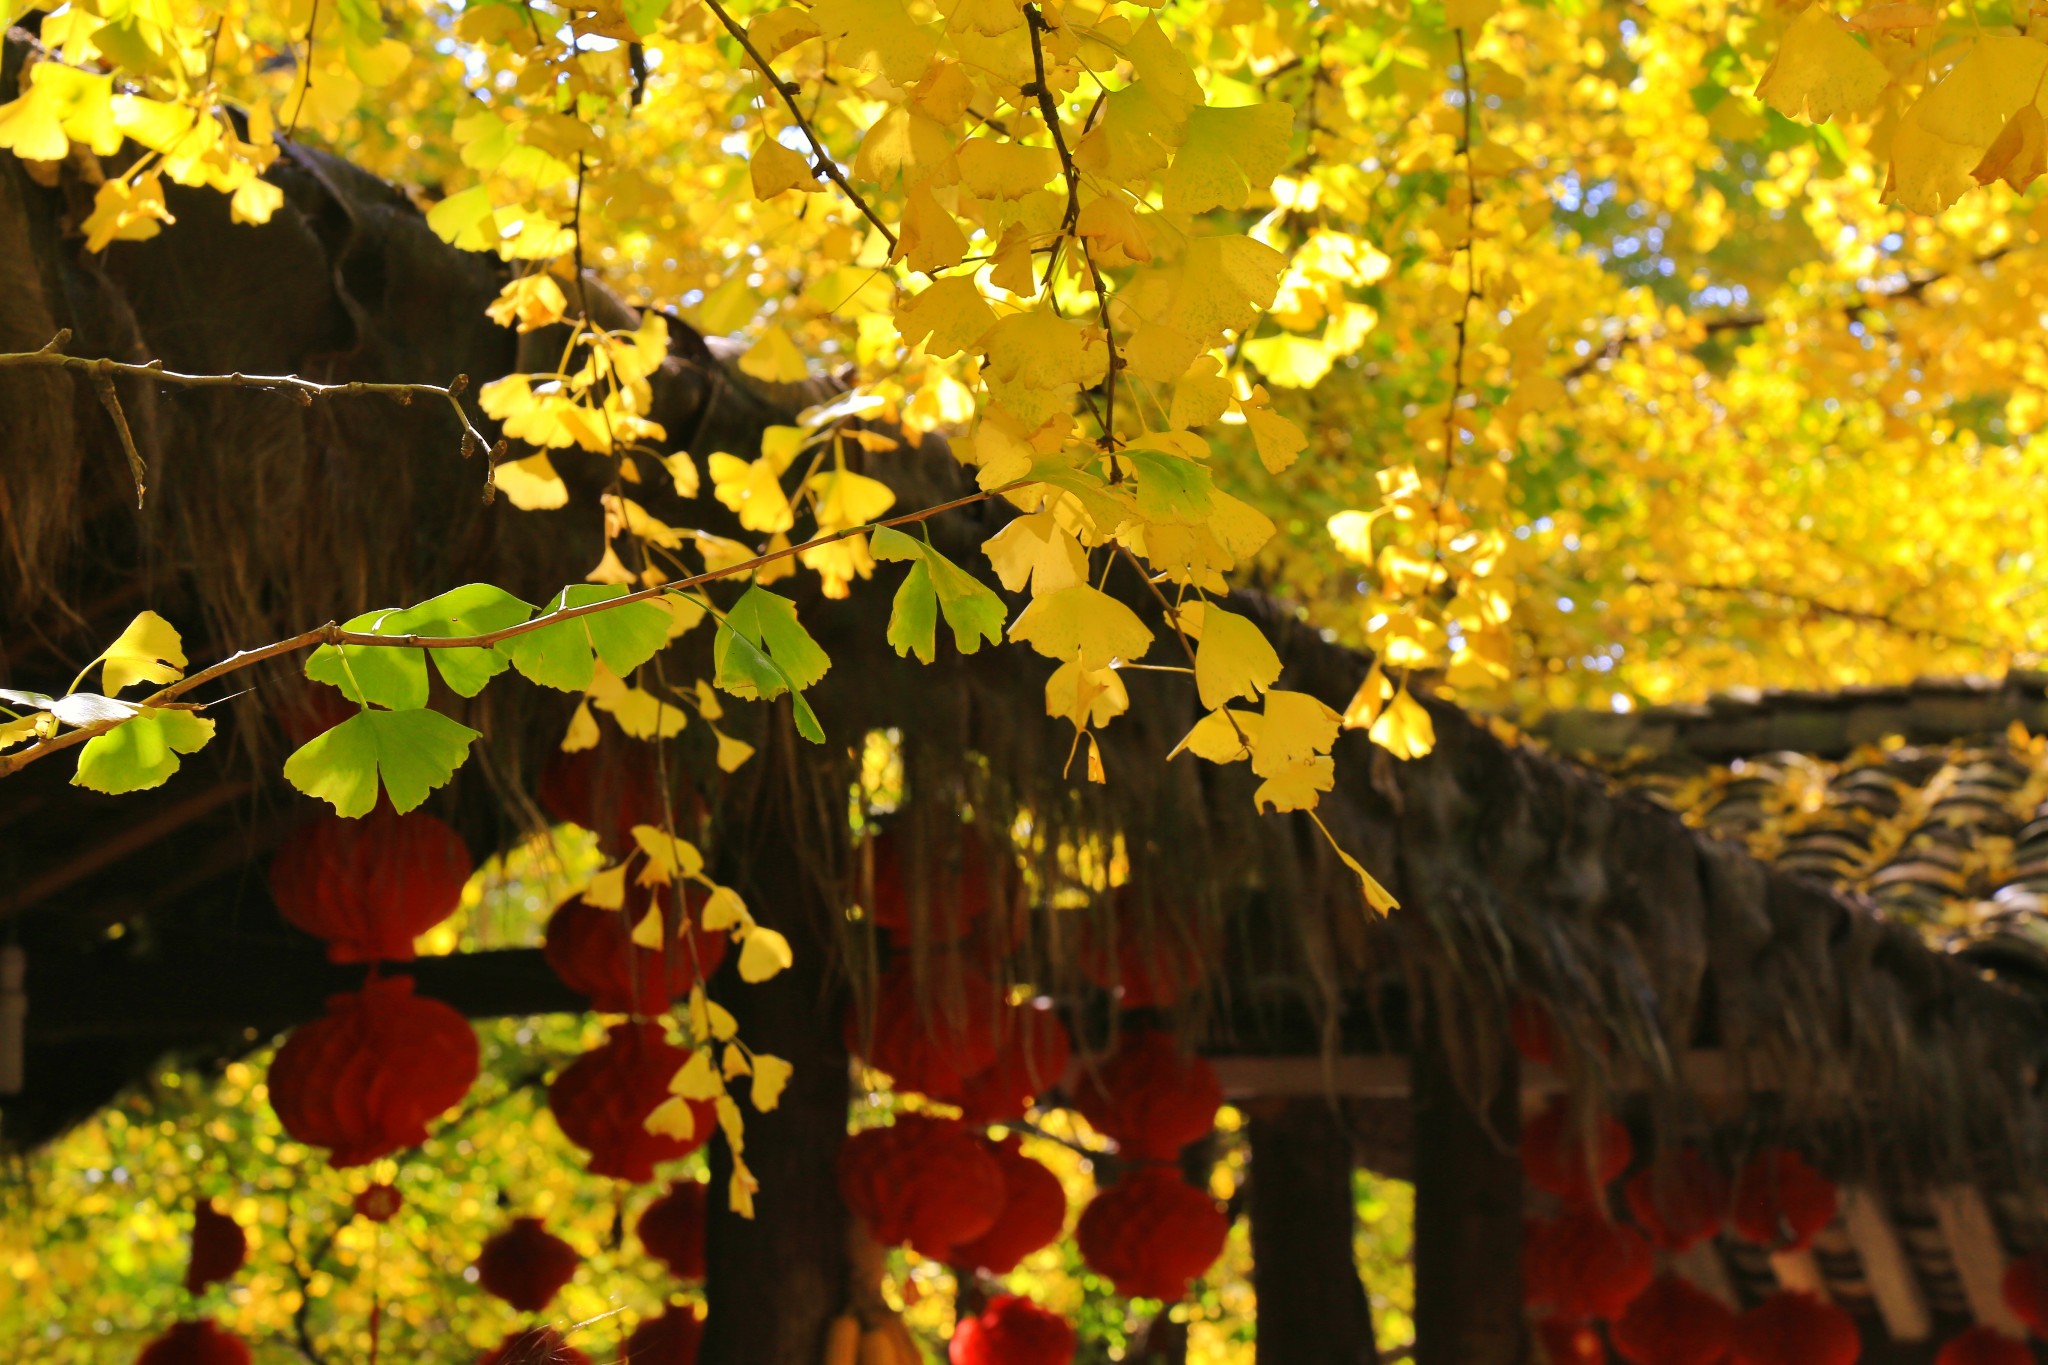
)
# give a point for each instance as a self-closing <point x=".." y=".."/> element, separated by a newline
<point x="1312" y="1307"/>
<point x="775" y="1282"/>
<point x="1468" y="1218"/>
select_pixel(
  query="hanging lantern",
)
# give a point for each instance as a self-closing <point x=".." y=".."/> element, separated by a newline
<point x="534" y="1346"/>
<point x="2026" y="1291"/>
<point x="930" y="1051"/>
<point x="923" y="1182"/>
<point x="1012" y="1330"/>
<point x="1151" y="1097"/>
<point x="670" y="1339"/>
<point x="364" y="1079"/>
<point x="1565" y="1341"/>
<point x="1032" y="1054"/>
<point x="672" y="1229"/>
<point x="367" y="888"/>
<point x="1781" y="1202"/>
<point x="195" y="1343"/>
<point x="526" y="1265"/>
<point x="1984" y="1346"/>
<point x="607" y="790"/>
<point x="1150" y="972"/>
<point x="1795" y="1328"/>
<point x="1561" y="1154"/>
<point x="592" y="950"/>
<point x="1532" y="1031"/>
<point x="955" y="895"/>
<point x="219" y="1248"/>
<point x="1582" y="1266"/>
<point x="1152" y="1234"/>
<point x="1674" y="1322"/>
<point x="379" y="1203"/>
<point x="603" y="1098"/>
<point x="1033" y="1214"/>
<point x="1678" y="1203"/>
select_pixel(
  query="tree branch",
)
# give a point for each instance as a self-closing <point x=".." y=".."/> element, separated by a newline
<point x="332" y="634"/>
<point x="823" y="163"/>
<point x="102" y="371"/>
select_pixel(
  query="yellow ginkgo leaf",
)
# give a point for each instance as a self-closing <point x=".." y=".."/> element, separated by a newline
<point x="667" y="856"/>
<point x="149" y="650"/>
<point x="1295" y="728"/>
<point x="1370" y="699"/>
<point x="1233" y="660"/>
<point x="1226" y="155"/>
<point x="753" y="489"/>
<point x="763" y="953"/>
<point x="775" y="169"/>
<point x="673" y="1117"/>
<point x="2019" y="155"/>
<point x="947" y="317"/>
<point x="771" y="1074"/>
<point x="928" y="239"/>
<point x="775" y="358"/>
<point x="531" y="484"/>
<point x="647" y="933"/>
<point x="847" y="499"/>
<point x="1821" y="71"/>
<point x="1404" y="729"/>
<point x="1298" y="785"/>
<point x="528" y="302"/>
<point x="1082" y="623"/>
<point x="1278" y="440"/>
<point x="1038" y="551"/>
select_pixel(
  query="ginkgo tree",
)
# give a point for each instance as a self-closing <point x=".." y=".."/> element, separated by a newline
<point x="1552" y="353"/>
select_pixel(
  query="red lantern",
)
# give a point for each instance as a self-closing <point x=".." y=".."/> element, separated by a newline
<point x="1566" y="1342"/>
<point x="1560" y="1155"/>
<point x="670" y="1339"/>
<point x="1033" y="1214"/>
<point x="603" y="1098"/>
<point x="672" y="1229"/>
<point x="1679" y="1203"/>
<point x="219" y="1248"/>
<point x="526" y="1265"/>
<point x="1032" y="1055"/>
<point x="367" y="888"/>
<point x="534" y="1346"/>
<point x="1582" y="1266"/>
<point x="1142" y="974"/>
<point x="1151" y="1097"/>
<point x="1794" y="1328"/>
<point x="607" y="790"/>
<point x="955" y="897"/>
<point x="379" y="1203"/>
<point x="2026" y="1291"/>
<point x="1152" y="1234"/>
<point x="930" y="1051"/>
<point x="1781" y="1202"/>
<point x="928" y="1183"/>
<point x="1984" y="1346"/>
<point x="1532" y="1031"/>
<point x="195" y="1343"/>
<point x="592" y="950"/>
<point x="1012" y="1330"/>
<point x="1673" y="1322"/>
<point x="364" y="1079"/>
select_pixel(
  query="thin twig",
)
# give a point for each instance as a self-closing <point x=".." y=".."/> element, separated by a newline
<point x="53" y="357"/>
<point x="332" y="634"/>
<point x="1443" y="487"/>
<point x="103" y="385"/>
<point x="824" y="164"/>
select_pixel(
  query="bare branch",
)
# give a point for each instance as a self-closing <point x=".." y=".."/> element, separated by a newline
<point x="101" y="371"/>
<point x="822" y="159"/>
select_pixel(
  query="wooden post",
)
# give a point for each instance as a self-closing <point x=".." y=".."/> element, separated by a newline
<point x="1312" y="1308"/>
<point x="1468" y="1218"/>
<point x="775" y="1283"/>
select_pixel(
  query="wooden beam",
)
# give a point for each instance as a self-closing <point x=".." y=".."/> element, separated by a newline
<point x="1701" y="1264"/>
<point x="1886" y="1267"/>
<point x="1385" y="1076"/>
<point x="1979" y="1255"/>
<point x="1312" y="1308"/>
<point x="1798" y="1270"/>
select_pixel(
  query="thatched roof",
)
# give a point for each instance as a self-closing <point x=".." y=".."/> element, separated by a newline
<point x="1520" y="874"/>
